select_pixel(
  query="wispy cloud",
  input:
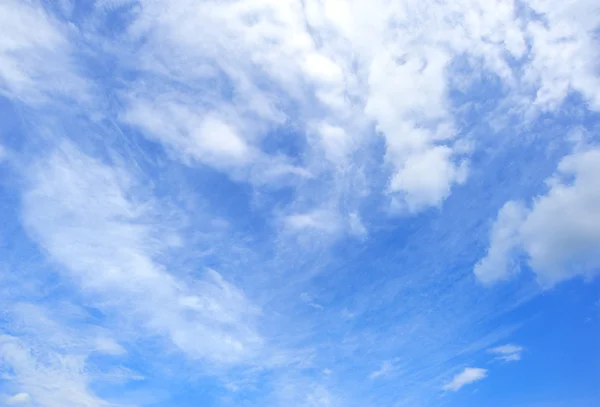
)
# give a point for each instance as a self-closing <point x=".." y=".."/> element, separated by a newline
<point x="507" y="353"/>
<point x="468" y="376"/>
<point x="274" y="201"/>
<point x="387" y="367"/>
<point x="86" y="215"/>
<point x="51" y="378"/>
<point x="36" y="65"/>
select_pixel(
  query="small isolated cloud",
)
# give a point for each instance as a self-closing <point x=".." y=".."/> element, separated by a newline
<point x="109" y="346"/>
<point x="322" y="221"/>
<point x="507" y="353"/>
<point x="387" y="367"/>
<point x="467" y="376"/>
<point x="18" y="399"/>
<point x="308" y="299"/>
<point x="347" y="314"/>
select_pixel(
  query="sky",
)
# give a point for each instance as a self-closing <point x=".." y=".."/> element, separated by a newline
<point x="305" y="203"/>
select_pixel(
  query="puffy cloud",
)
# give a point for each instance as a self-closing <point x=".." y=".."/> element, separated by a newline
<point x="499" y="262"/>
<point x="348" y="74"/>
<point x="559" y="233"/>
<point x="467" y="376"/>
<point x="566" y="34"/>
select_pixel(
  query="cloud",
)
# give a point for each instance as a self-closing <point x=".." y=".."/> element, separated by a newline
<point x="387" y="367"/>
<point x="49" y="353"/>
<point x="205" y="138"/>
<point x="86" y="216"/>
<point x="559" y="234"/>
<point x="108" y="346"/>
<point x="346" y="78"/>
<point x="47" y="378"/>
<point x="568" y="34"/>
<point x="500" y="263"/>
<point x="507" y="353"/>
<point x="306" y="298"/>
<point x="467" y="376"/>
<point x="325" y="117"/>
<point x="296" y="391"/>
<point x="319" y="220"/>
<point x="35" y="64"/>
<point x="19" y="398"/>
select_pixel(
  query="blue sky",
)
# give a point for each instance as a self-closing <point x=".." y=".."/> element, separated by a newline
<point x="318" y="203"/>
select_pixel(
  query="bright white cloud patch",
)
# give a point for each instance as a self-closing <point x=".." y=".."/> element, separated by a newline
<point x="559" y="233"/>
<point x="468" y="376"/>
<point x="358" y="69"/>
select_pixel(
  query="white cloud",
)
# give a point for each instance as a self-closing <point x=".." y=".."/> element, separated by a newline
<point x="467" y="376"/>
<point x="367" y="83"/>
<point x="499" y="262"/>
<point x="108" y="346"/>
<point x="322" y="69"/>
<point x="559" y="234"/>
<point x="356" y="225"/>
<point x="425" y="179"/>
<point x="324" y="222"/>
<point x="387" y="367"/>
<point x="223" y="140"/>
<point x="35" y="63"/>
<point x="48" y="378"/>
<point x="562" y="233"/>
<point x="205" y="138"/>
<point x="17" y="399"/>
<point x="566" y="34"/>
<point x="45" y="358"/>
<point x="318" y="220"/>
<point x="336" y="143"/>
<point x="294" y="391"/>
<point x="507" y="353"/>
<point x="347" y="72"/>
<point x="309" y="300"/>
<point x="413" y="125"/>
<point x="87" y="217"/>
